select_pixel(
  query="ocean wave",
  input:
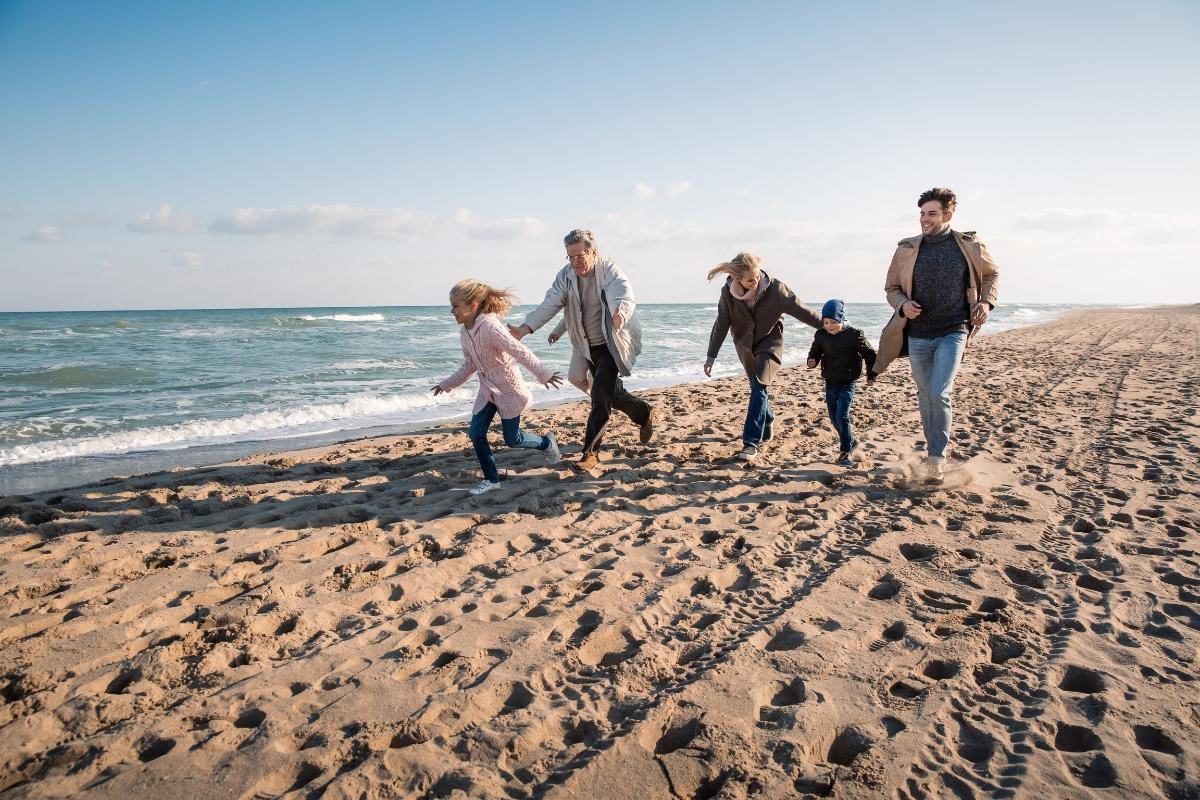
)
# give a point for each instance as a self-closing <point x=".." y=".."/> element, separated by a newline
<point x="81" y="376"/>
<point x="277" y="424"/>
<point x="347" y="317"/>
<point x="369" y="364"/>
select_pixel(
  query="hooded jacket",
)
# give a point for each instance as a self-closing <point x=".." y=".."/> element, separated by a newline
<point x="615" y="294"/>
<point x="758" y="333"/>
<point x="983" y="281"/>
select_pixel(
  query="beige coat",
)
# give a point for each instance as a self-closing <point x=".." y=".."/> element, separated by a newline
<point x="983" y="283"/>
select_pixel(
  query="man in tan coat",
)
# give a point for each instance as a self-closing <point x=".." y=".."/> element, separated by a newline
<point x="943" y="285"/>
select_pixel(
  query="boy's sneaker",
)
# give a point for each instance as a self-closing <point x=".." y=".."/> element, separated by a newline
<point x="587" y="461"/>
<point x="553" y="454"/>
<point x="483" y="486"/>
<point x="747" y="453"/>
<point x="769" y="431"/>
<point x="844" y="459"/>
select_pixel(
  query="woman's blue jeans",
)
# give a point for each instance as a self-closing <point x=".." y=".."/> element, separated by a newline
<point x="838" y="397"/>
<point x="759" y="417"/>
<point x="513" y="437"/>
<point x="934" y="365"/>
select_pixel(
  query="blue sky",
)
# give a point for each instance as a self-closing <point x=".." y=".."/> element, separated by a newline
<point x="161" y="155"/>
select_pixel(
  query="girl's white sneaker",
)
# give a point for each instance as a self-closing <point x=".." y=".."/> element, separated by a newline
<point x="484" y="486"/>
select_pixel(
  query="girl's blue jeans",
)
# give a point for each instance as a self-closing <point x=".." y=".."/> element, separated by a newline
<point x="513" y="437"/>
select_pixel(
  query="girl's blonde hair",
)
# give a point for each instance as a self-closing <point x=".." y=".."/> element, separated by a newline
<point x="737" y="266"/>
<point x="490" y="299"/>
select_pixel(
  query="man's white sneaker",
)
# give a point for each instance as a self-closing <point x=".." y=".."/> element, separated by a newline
<point x="553" y="454"/>
<point x="484" y="486"/>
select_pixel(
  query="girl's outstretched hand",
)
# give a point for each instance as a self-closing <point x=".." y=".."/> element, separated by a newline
<point x="438" y="390"/>
<point x="554" y="382"/>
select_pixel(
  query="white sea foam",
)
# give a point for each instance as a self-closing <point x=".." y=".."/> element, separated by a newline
<point x="283" y="423"/>
<point x="347" y="317"/>
<point x="367" y="364"/>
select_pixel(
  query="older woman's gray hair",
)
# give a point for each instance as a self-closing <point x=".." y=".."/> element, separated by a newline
<point x="580" y="235"/>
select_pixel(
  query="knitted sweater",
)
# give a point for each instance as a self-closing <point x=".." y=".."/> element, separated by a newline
<point x="491" y="351"/>
<point x="940" y="287"/>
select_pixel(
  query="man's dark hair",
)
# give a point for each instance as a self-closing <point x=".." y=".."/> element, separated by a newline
<point x="943" y="196"/>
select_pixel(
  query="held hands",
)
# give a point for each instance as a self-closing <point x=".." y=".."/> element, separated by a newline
<point x="979" y="314"/>
<point x="519" y="331"/>
<point x="911" y="309"/>
<point x="812" y="363"/>
<point x="554" y="382"/>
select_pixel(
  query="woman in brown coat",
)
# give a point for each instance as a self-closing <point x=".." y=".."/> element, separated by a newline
<point x="752" y="306"/>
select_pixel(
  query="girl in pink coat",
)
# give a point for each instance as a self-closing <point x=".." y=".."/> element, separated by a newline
<point x="491" y="351"/>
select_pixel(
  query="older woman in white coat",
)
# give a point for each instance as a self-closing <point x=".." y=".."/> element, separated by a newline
<point x="601" y="317"/>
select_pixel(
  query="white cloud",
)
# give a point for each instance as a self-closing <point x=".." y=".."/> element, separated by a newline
<point x="498" y="229"/>
<point x="384" y="223"/>
<point x="1109" y="225"/>
<point x="46" y="233"/>
<point x="187" y="258"/>
<point x="645" y="191"/>
<point x="68" y="222"/>
<point x="338" y="219"/>
<point x="1072" y="219"/>
<point x="164" y="219"/>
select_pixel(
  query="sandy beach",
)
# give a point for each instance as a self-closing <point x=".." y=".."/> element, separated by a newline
<point x="346" y="622"/>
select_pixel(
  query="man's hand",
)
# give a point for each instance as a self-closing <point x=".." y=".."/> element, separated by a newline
<point x="519" y="331"/>
<point x="708" y="369"/>
<point x="554" y="382"/>
<point x="812" y="363"/>
<point x="618" y="320"/>
<point x="911" y="309"/>
<point x="438" y="390"/>
<point x="979" y="314"/>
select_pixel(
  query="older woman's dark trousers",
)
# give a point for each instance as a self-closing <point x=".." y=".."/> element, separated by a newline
<point x="608" y="393"/>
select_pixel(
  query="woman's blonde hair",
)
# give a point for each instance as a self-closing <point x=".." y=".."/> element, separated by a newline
<point x="737" y="266"/>
<point x="490" y="299"/>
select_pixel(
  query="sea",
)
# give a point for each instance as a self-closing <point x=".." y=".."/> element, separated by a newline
<point x="91" y="395"/>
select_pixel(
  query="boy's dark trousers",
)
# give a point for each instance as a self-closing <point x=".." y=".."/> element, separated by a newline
<point x="608" y="393"/>
<point x="838" y="397"/>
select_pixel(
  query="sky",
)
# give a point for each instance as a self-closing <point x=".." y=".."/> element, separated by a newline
<point x="283" y="154"/>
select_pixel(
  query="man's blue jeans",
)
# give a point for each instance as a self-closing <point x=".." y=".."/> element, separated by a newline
<point x="759" y="416"/>
<point x="513" y="437"/>
<point x="934" y="365"/>
<point x="838" y="397"/>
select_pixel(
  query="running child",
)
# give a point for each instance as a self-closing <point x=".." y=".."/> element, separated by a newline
<point x="841" y="351"/>
<point x="489" y="349"/>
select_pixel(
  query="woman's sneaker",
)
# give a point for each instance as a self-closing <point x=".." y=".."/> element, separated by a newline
<point x="747" y="453"/>
<point x="553" y="454"/>
<point x="844" y="459"/>
<point x="484" y="486"/>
